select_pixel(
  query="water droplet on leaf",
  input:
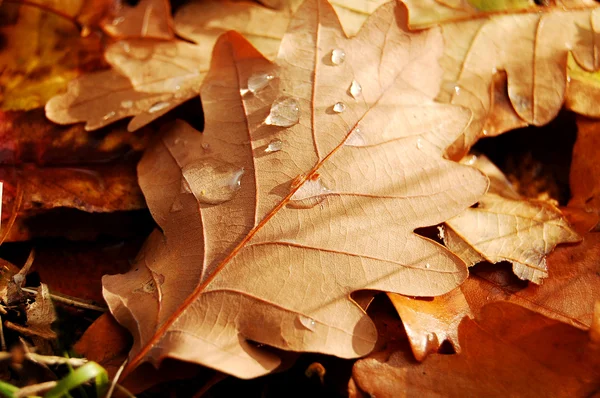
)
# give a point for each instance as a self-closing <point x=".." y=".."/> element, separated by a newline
<point x="159" y="106"/>
<point x="427" y="266"/>
<point x="472" y="160"/>
<point x="126" y="104"/>
<point x="457" y="90"/>
<point x="117" y="21"/>
<point x="309" y="194"/>
<point x="109" y="115"/>
<point x="419" y="143"/>
<point x="356" y="138"/>
<point x="257" y="82"/>
<point x="212" y="181"/>
<point x="307" y="322"/>
<point x="339" y="107"/>
<point x="355" y="89"/>
<point x="337" y="56"/>
<point x="285" y="112"/>
<point x="274" y="146"/>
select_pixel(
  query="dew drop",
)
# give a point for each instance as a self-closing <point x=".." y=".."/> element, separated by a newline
<point x="309" y="194"/>
<point x="285" y="112"/>
<point x="457" y="90"/>
<point x="355" y="89"/>
<point x="485" y="132"/>
<point x="307" y="322"/>
<point x="212" y="181"/>
<point x="274" y="146"/>
<point x="109" y="115"/>
<point x="118" y="21"/>
<point x="427" y="265"/>
<point x="419" y="144"/>
<point x="126" y="47"/>
<point x="257" y="82"/>
<point x="159" y="106"/>
<point x="471" y="161"/>
<point x="126" y="104"/>
<point x="338" y="56"/>
<point x="356" y="138"/>
<point x="339" y="107"/>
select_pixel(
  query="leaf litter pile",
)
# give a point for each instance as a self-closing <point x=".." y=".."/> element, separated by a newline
<point x="300" y="198"/>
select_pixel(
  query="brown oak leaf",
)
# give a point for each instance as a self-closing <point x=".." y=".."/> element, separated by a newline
<point x="506" y="227"/>
<point x="510" y="69"/>
<point x="301" y="190"/>
<point x="507" y="351"/>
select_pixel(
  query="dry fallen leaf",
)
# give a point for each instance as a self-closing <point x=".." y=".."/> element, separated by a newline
<point x="569" y="296"/>
<point x="506" y="227"/>
<point x="149" y="78"/>
<point x="40" y="315"/>
<point x="429" y="323"/>
<point x="30" y="191"/>
<point x="41" y="53"/>
<point x="527" y="49"/>
<point x="305" y="192"/>
<point x="585" y="171"/>
<point x="147" y="18"/>
<point x="508" y="351"/>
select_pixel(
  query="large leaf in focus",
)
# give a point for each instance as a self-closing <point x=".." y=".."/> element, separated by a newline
<point x="507" y="351"/>
<point x="507" y="227"/>
<point x="330" y="191"/>
<point x="510" y="69"/>
<point x="41" y="53"/>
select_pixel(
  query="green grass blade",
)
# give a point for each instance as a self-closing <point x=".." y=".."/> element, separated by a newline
<point x="89" y="371"/>
<point x="7" y="389"/>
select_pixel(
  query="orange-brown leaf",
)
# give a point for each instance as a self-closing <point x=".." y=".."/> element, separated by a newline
<point x="327" y="203"/>
<point x="508" y="351"/>
<point x="530" y="46"/>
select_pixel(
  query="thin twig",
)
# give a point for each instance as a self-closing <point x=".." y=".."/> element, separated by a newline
<point x="116" y="379"/>
<point x="55" y="360"/>
<point x="74" y="301"/>
<point x="35" y="389"/>
<point x="15" y="211"/>
<point x="2" y="340"/>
